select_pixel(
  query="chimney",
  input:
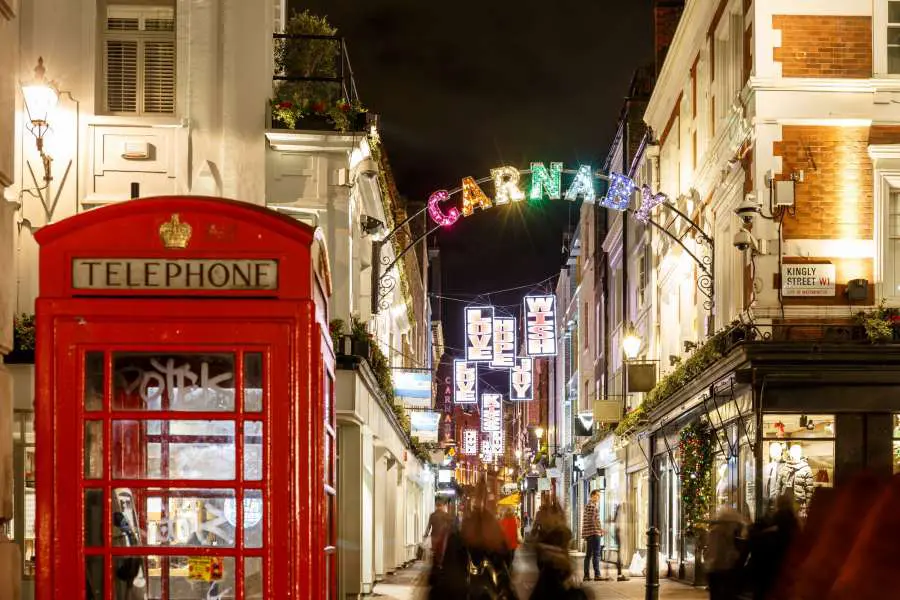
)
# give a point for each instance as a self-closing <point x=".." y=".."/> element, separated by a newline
<point x="666" y="14"/>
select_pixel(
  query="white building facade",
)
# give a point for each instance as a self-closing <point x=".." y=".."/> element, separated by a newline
<point x="171" y="97"/>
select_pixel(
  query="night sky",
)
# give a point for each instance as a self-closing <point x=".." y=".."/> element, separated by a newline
<point x="465" y="85"/>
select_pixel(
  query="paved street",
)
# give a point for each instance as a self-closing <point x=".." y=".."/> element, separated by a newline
<point x="410" y="584"/>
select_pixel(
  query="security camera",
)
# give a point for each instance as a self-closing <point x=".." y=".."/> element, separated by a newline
<point x="744" y="240"/>
<point x="748" y="208"/>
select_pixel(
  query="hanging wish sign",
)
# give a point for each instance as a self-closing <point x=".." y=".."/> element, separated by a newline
<point x="470" y="442"/>
<point x="504" y="343"/>
<point x="480" y="333"/>
<point x="521" y="379"/>
<point x="491" y="412"/>
<point x="540" y="325"/>
<point x="465" y="378"/>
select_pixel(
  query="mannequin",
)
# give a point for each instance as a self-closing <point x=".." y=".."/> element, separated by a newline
<point x="770" y="474"/>
<point x="797" y="478"/>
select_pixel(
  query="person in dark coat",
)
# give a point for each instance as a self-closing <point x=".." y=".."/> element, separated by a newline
<point x="551" y="545"/>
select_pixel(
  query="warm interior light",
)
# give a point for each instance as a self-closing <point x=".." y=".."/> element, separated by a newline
<point x="631" y="343"/>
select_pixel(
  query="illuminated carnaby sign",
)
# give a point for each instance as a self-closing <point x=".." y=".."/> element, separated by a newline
<point x="544" y="181"/>
<point x="465" y="382"/>
<point x="491" y="412"/>
<point x="480" y="333"/>
<point x="521" y="379"/>
<point x="540" y="325"/>
<point x="504" y="343"/>
<point x="470" y="442"/>
<point x="174" y="274"/>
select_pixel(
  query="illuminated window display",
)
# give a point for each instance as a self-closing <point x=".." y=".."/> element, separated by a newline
<point x="896" y="443"/>
<point x="799" y="454"/>
<point x="22" y="525"/>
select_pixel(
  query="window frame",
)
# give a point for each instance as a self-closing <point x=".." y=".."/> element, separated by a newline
<point x="880" y="26"/>
<point x="886" y="177"/>
<point x="141" y="37"/>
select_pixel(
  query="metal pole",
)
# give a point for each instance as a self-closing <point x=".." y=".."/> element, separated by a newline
<point x="652" y="589"/>
<point x="652" y="577"/>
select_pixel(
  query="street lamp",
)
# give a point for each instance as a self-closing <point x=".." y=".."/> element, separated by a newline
<point x="631" y="343"/>
<point x="539" y="432"/>
<point x="518" y="454"/>
<point x="40" y="99"/>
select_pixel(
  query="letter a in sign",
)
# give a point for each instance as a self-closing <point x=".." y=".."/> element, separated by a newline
<point x="540" y="325"/>
<point x="480" y="333"/>
<point x="473" y="197"/>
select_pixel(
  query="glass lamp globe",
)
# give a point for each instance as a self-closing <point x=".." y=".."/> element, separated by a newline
<point x="631" y="345"/>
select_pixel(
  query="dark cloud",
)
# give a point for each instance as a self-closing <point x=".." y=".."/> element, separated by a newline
<point x="466" y="85"/>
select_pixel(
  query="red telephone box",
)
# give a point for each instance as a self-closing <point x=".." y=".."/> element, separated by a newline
<point x="184" y="413"/>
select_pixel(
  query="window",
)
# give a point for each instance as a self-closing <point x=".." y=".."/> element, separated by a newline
<point x="139" y="59"/>
<point x="643" y="269"/>
<point x="893" y="38"/>
<point x="798" y="458"/>
<point x="897" y="443"/>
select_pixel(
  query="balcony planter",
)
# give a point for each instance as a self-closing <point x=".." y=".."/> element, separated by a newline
<point x="19" y="357"/>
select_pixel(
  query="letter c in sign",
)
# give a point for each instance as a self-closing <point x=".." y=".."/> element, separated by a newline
<point x="444" y="220"/>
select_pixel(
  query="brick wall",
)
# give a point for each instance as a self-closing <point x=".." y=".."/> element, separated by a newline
<point x="822" y="46"/>
<point x="835" y="200"/>
<point x="666" y="14"/>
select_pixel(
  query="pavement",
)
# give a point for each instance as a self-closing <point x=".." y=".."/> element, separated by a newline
<point x="411" y="584"/>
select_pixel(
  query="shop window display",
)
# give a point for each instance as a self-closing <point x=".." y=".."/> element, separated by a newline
<point x="799" y="450"/>
<point x="896" y="443"/>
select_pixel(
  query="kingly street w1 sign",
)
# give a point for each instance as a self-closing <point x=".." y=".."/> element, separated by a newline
<point x="807" y="279"/>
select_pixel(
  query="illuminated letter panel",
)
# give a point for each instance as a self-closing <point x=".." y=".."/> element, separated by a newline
<point x="540" y="325"/>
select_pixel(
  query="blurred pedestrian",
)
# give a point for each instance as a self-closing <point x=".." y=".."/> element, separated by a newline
<point x="770" y="539"/>
<point x="724" y="559"/>
<point x="510" y="526"/>
<point x="477" y="565"/>
<point x="439" y="525"/>
<point x="551" y="544"/>
<point x="591" y="532"/>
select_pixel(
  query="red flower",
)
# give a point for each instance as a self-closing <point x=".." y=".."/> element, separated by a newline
<point x="344" y="106"/>
<point x="318" y="107"/>
<point x="286" y="104"/>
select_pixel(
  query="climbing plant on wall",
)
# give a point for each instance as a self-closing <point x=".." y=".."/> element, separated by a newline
<point x="696" y="450"/>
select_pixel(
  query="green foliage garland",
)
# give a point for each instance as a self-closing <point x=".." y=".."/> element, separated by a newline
<point x="700" y="360"/>
<point x="696" y="450"/>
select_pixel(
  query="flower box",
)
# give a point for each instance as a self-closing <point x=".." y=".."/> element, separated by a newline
<point x="19" y="357"/>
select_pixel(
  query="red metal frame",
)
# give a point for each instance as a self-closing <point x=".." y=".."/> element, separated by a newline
<point x="289" y="328"/>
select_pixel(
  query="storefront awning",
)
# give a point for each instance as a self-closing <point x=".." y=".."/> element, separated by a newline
<point x="511" y="500"/>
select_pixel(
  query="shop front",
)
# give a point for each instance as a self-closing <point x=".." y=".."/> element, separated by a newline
<point x="185" y="426"/>
<point x="783" y="420"/>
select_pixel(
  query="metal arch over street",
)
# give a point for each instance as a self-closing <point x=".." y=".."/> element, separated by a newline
<point x="506" y="179"/>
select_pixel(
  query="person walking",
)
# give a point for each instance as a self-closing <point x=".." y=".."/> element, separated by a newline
<point x="591" y="532"/>
<point x="510" y="526"/>
<point x="724" y="556"/>
<point x="439" y="526"/>
<point x="551" y="545"/>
